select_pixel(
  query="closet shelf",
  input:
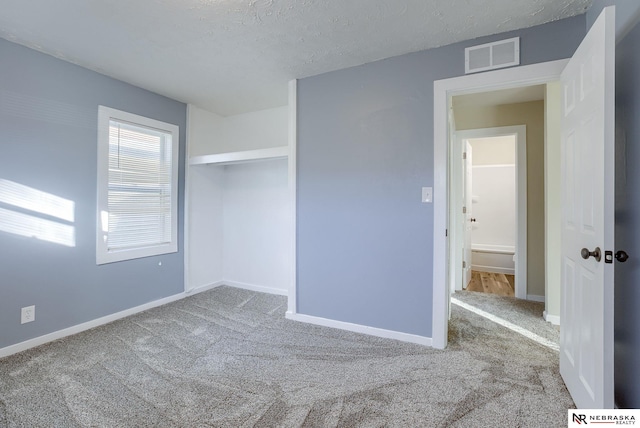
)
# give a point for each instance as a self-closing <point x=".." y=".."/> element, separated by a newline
<point x="281" y="152"/>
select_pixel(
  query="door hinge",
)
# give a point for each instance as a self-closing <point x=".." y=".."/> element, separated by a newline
<point x="464" y="155"/>
<point x="446" y="232"/>
<point x="464" y="264"/>
<point x="464" y="210"/>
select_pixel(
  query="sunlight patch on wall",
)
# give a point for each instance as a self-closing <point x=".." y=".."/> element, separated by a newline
<point x="31" y="199"/>
<point x="34" y="227"/>
<point x="37" y="222"/>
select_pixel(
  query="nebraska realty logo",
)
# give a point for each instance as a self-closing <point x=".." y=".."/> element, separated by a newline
<point x="583" y="417"/>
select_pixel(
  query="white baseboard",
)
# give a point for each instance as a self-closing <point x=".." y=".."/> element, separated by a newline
<point x="493" y="269"/>
<point x="259" y="288"/>
<point x="78" y="328"/>
<point x="535" y="298"/>
<point x="553" y="319"/>
<point x="202" y="288"/>
<point x="357" y="328"/>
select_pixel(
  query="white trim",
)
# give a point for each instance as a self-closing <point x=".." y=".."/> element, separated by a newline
<point x="103" y="254"/>
<point x="186" y="233"/>
<point x="457" y="219"/>
<point x="253" y="287"/>
<point x="78" y="328"/>
<point x="553" y="319"/>
<point x="440" y="300"/>
<point x="521" y="213"/>
<point x="293" y="145"/>
<point x="358" y="328"/>
<point x="535" y="298"/>
<point x="442" y="91"/>
<point x="241" y="157"/>
<point x="203" y="288"/>
<point x="50" y="337"/>
<point x="493" y="269"/>
<point x="493" y="249"/>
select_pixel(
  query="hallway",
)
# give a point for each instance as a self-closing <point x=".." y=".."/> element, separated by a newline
<point x="493" y="283"/>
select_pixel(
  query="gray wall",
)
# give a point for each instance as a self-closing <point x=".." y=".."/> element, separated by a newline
<point x="365" y="149"/>
<point x="48" y="130"/>
<point x="627" y="13"/>
<point x="627" y="230"/>
<point x="627" y="275"/>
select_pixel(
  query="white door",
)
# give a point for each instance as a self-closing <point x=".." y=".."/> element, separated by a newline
<point x="586" y="335"/>
<point x="468" y="211"/>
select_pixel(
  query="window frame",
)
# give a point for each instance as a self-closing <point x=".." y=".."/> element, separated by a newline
<point x="103" y="254"/>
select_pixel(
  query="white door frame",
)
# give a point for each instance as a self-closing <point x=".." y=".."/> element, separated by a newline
<point x="521" y="203"/>
<point x="443" y="90"/>
<point x="292" y="299"/>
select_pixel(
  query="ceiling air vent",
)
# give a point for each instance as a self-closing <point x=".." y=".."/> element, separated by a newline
<point x="490" y="56"/>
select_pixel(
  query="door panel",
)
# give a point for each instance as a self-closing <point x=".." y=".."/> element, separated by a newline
<point x="586" y="335"/>
<point x="568" y="304"/>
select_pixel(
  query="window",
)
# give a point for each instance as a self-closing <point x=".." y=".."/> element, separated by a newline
<point x="137" y="187"/>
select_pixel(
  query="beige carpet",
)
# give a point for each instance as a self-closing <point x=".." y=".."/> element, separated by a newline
<point x="228" y="358"/>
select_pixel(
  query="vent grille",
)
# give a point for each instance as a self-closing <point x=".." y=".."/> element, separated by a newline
<point x="490" y="56"/>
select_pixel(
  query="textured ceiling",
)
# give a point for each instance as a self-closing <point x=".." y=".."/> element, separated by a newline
<point x="233" y="56"/>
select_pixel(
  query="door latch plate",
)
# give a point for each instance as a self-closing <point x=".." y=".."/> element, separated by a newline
<point x="608" y="256"/>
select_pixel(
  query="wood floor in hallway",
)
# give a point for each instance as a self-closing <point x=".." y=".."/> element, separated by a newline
<point x="493" y="283"/>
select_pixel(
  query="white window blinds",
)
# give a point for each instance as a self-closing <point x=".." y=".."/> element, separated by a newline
<point x="139" y="186"/>
<point x="137" y="209"/>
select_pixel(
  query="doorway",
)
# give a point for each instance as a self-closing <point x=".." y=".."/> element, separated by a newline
<point x="444" y="91"/>
<point x="488" y="215"/>
<point x="587" y="185"/>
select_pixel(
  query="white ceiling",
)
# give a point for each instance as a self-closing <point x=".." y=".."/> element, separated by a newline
<point x="234" y="56"/>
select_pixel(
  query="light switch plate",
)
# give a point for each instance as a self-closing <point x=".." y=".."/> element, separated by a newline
<point x="427" y="195"/>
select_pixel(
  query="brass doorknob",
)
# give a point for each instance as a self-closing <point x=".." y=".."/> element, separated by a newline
<point x="596" y="254"/>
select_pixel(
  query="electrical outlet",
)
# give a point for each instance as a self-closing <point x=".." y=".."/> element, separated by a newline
<point x="28" y="314"/>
